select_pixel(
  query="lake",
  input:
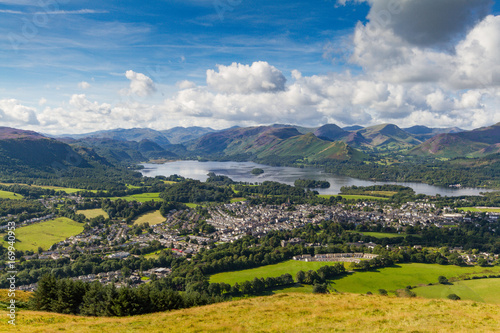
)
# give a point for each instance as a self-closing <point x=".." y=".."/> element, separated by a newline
<point x="241" y="171"/>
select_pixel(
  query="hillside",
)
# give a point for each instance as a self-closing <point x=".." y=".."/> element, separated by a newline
<point x="330" y="132"/>
<point x="272" y="143"/>
<point x="423" y="133"/>
<point x="386" y="136"/>
<point x="179" y="135"/>
<point x="287" y="313"/>
<point x="120" y="134"/>
<point x="476" y="143"/>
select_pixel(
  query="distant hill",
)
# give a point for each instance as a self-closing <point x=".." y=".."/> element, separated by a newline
<point x="475" y="143"/>
<point x="423" y="133"/>
<point x="352" y="128"/>
<point x="331" y="132"/>
<point x="120" y="134"/>
<point x="118" y="151"/>
<point x="272" y="143"/>
<point x="19" y="148"/>
<point x="179" y="135"/>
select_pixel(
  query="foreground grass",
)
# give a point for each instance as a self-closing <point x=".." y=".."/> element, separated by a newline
<point x="91" y="213"/>
<point x="286" y="313"/>
<point x="482" y="290"/>
<point x="45" y="234"/>
<point x="152" y="218"/>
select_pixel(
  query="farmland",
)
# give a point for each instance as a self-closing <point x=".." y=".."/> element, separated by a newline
<point x="91" y="213"/>
<point x="45" y="234"/>
<point x="152" y="218"/>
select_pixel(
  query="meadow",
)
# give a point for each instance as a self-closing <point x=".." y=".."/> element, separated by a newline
<point x="379" y="234"/>
<point x="389" y="278"/>
<point x="292" y="312"/>
<point x="10" y="195"/>
<point x="152" y="218"/>
<point x="480" y="290"/>
<point x="142" y="197"/>
<point x="91" y="213"/>
<point x="354" y="197"/>
<point x="480" y="209"/>
<point x="45" y="234"/>
<point x="291" y="267"/>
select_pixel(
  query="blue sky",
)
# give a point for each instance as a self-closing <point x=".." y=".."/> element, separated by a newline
<point x="79" y="66"/>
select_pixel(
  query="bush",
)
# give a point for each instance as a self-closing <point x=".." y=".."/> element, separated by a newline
<point x="382" y="292"/>
<point x="454" y="297"/>
<point x="442" y="280"/>
<point x="320" y="289"/>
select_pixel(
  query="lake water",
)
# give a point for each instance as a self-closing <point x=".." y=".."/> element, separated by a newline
<point x="241" y="171"/>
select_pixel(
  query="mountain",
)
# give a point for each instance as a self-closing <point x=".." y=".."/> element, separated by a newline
<point x="423" y="133"/>
<point x="266" y="143"/>
<point x="118" y="151"/>
<point x="386" y="136"/>
<point x="352" y="128"/>
<point x="20" y="149"/>
<point x="179" y="135"/>
<point x="330" y="132"/>
<point x="120" y="134"/>
<point x="475" y="143"/>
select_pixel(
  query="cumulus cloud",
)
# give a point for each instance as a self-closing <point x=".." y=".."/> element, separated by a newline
<point x="246" y="79"/>
<point x="140" y="84"/>
<point x="84" y="85"/>
<point x="13" y="113"/>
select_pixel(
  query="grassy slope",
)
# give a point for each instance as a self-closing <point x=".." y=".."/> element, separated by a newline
<point x="152" y="218"/>
<point x="91" y="213"/>
<point x="10" y="195"/>
<point x="390" y="278"/>
<point x="482" y="290"/>
<point x="143" y="197"/>
<point x="287" y="313"/>
<point x="291" y="267"/>
<point x="45" y="234"/>
<point x="480" y="209"/>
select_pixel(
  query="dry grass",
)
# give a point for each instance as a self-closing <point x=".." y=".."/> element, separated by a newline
<point x="153" y="218"/>
<point x="288" y="313"/>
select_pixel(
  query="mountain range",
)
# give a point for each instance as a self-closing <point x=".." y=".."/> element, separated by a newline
<point x="261" y="143"/>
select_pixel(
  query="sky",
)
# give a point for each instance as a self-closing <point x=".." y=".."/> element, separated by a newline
<point x="74" y="66"/>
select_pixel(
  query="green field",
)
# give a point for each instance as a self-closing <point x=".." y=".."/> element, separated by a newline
<point x="142" y="197"/>
<point x="379" y="234"/>
<point x="291" y="267"/>
<point x="390" y="278"/>
<point x="237" y="199"/>
<point x="10" y="195"/>
<point x="68" y="190"/>
<point x="91" y="213"/>
<point x="480" y="209"/>
<point x="481" y="290"/>
<point x="45" y="234"/>
<point x="402" y="275"/>
<point x="152" y="218"/>
<point x="354" y="197"/>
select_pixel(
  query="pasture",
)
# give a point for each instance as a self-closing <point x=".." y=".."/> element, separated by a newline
<point x="91" y="213"/>
<point x="152" y="218"/>
<point x="45" y="234"/>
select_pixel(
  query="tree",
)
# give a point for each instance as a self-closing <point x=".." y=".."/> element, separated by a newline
<point x="300" y="276"/>
<point x="442" y="280"/>
<point x="454" y="297"/>
<point x="320" y="289"/>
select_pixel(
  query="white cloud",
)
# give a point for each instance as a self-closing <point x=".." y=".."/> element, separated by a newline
<point x="42" y="101"/>
<point x="140" y="84"/>
<point x="185" y="84"/>
<point x="84" y="85"/>
<point x="245" y="79"/>
<point x="13" y="113"/>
